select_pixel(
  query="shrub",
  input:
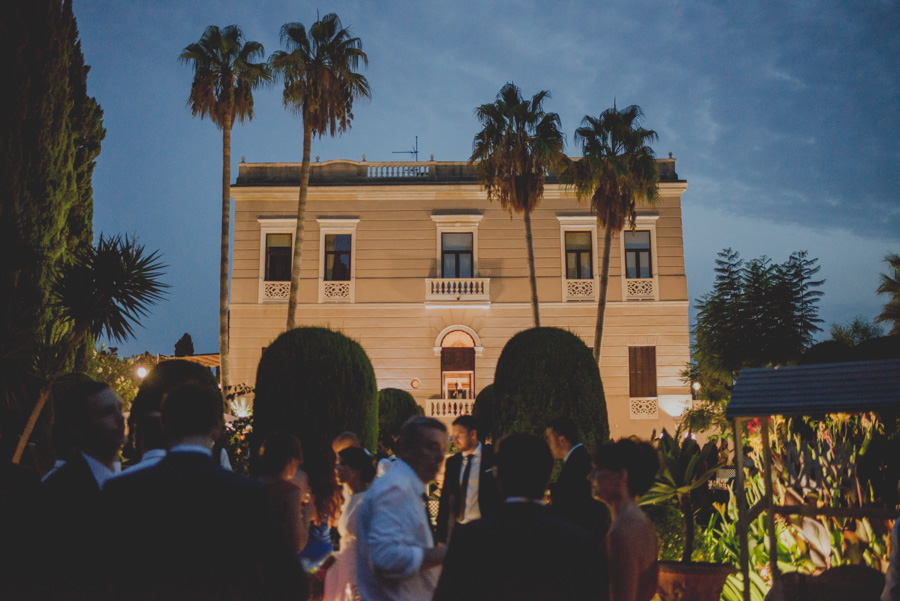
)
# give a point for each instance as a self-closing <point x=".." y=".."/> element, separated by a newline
<point x="483" y="411"/>
<point x="544" y="373"/>
<point x="395" y="406"/>
<point x="315" y="383"/>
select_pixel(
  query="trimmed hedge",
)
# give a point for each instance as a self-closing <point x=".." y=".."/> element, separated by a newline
<point x="544" y="373"/>
<point x="483" y="411"/>
<point x="315" y="383"/>
<point x="395" y="406"/>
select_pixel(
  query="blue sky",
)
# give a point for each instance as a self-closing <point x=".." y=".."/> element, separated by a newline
<point x="784" y="118"/>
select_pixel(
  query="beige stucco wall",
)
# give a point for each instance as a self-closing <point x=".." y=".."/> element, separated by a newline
<point x="396" y="250"/>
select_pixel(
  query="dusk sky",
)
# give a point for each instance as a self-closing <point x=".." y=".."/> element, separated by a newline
<point x="784" y="118"/>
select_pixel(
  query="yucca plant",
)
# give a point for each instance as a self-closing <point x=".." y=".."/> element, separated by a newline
<point x="683" y="467"/>
<point x="106" y="290"/>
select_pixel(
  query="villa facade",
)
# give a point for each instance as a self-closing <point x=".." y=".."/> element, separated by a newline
<point x="411" y="260"/>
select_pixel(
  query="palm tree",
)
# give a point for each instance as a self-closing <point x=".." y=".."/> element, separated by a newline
<point x="107" y="289"/>
<point x="321" y="84"/>
<point x="890" y="285"/>
<point x="518" y="143"/>
<point x="616" y="172"/>
<point x="222" y="89"/>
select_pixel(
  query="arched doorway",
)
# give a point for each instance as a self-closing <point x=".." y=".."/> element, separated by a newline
<point x="457" y="365"/>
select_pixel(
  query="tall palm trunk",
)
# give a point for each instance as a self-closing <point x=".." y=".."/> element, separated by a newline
<point x="532" y="278"/>
<point x="223" y="258"/>
<point x="298" y="232"/>
<point x="604" y="288"/>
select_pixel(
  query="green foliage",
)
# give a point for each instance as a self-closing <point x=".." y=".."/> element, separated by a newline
<point x="544" y="373"/>
<point x="237" y="443"/>
<point x="518" y="142"/>
<point x="855" y="331"/>
<point x="50" y="135"/>
<point x="890" y="287"/>
<point x="759" y="313"/>
<point x="105" y="365"/>
<point x="618" y="169"/>
<point x="319" y="73"/>
<point x="669" y="525"/>
<point x="315" y="383"/>
<point x="395" y="406"/>
<point x="483" y="411"/>
<point x="683" y="467"/>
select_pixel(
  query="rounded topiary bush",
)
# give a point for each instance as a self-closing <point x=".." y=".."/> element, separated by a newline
<point x="395" y="406"/>
<point x="545" y="373"/>
<point x="315" y="383"/>
<point x="483" y="411"/>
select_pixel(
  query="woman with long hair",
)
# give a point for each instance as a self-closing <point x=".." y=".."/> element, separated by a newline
<point x="622" y="472"/>
<point x="355" y="468"/>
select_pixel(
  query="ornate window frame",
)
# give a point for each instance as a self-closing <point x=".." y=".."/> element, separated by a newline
<point x="579" y="290"/>
<point x="637" y="289"/>
<point x="273" y="292"/>
<point x="337" y="291"/>
<point x="456" y="224"/>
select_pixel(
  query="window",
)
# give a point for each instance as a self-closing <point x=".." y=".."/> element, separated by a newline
<point x="337" y="257"/>
<point x="275" y="256"/>
<point x="278" y="257"/>
<point x="456" y="255"/>
<point x="578" y="256"/>
<point x="638" y="264"/>
<point x="578" y="250"/>
<point x="642" y="371"/>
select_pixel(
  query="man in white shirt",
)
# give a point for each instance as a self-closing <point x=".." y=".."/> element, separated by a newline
<point x="397" y="559"/>
<point x="470" y="490"/>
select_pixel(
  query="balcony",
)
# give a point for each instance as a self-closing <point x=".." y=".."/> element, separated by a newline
<point x="640" y="289"/>
<point x="448" y="408"/>
<point x="458" y="290"/>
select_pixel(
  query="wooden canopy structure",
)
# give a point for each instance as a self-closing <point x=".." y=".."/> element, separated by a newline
<point x="855" y="387"/>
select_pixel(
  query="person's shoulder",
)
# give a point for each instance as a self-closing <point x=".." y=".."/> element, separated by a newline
<point x="74" y="474"/>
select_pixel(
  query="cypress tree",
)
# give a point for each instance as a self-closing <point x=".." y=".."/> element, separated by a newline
<point x="50" y="135"/>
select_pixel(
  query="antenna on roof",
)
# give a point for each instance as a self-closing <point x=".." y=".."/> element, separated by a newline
<point x="414" y="152"/>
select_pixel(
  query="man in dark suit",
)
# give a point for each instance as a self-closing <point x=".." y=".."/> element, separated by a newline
<point x="470" y="489"/>
<point x="195" y="530"/>
<point x="89" y="415"/>
<point x="570" y="495"/>
<point x="524" y="551"/>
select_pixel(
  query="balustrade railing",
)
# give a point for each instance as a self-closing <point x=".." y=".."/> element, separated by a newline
<point x="580" y="290"/>
<point x="449" y="408"/>
<point x="395" y="170"/>
<point x="458" y="289"/>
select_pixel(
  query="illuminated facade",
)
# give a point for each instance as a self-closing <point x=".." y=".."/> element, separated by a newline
<point x="412" y="260"/>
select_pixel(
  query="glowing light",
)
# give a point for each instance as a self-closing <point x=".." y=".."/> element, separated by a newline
<point x="696" y="386"/>
<point x="241" y="407"/>
<point x="142" y="372"/>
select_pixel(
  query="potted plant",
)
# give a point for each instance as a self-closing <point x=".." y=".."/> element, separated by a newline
<point x="683" y="467"/>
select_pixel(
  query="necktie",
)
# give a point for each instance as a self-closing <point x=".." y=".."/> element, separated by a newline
<point x="464" y="488"/>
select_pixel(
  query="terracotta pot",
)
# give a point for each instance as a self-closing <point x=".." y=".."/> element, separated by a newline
<point x="693" y="581"/>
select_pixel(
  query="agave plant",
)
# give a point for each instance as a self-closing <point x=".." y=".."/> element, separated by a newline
<point x="683" y="467"/>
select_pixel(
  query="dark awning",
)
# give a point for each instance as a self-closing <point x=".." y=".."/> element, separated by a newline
<point x="812" y="389"/>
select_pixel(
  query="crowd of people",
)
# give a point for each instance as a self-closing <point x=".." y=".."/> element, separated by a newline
<point x="177" y="523"/>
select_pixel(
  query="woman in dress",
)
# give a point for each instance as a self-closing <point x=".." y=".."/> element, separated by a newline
<point x="356" y="469"/>
<point x="623" y="471"/>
